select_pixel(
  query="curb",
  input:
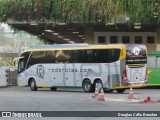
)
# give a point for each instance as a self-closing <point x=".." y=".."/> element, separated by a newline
<point x="136" y="100"/>
<point x="123" y="100"/>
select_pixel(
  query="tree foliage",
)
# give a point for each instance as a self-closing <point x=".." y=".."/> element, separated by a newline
<point x="81" y="11"/>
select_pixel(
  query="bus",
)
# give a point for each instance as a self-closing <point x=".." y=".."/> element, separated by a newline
<point x="111" y="67"/>
<point x="154" y="69"/>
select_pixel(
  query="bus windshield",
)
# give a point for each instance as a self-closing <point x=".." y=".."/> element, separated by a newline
<point x="136" y="54"/>
<point x="22" y="62"/>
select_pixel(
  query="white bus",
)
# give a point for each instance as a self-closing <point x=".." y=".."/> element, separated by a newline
<point x="112" y="67"/>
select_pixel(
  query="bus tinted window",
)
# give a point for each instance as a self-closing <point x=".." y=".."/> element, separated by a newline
<point x="92" y="56"/>
<point x="62" y="56"/>
<point x="74" y="56"/>
<point x="88" y="56"/>
<point x="49" y="57"/>
<point x="107" y="56"/>
<point x="101" y="56"/>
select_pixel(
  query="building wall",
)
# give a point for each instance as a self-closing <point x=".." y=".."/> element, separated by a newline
<point x="89" y="35"/>
<point x="158" y="39"/>
<point x="144" y="35"/>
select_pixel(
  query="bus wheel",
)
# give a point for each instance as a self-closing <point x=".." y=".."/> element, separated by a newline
<point x="33" y="86"/>
<point x="53" y="88"/>
<point x="120" y="90"/>
<point x="108" y="90"/>
<point x="87" y="86"/>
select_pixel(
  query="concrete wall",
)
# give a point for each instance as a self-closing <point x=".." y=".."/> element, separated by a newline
<point x="158" y="47"/>
<point x="150" y="46"/>
<point x="89" y="34"/>
<point x="158" y="35"/>
<point x="158" y="39"/>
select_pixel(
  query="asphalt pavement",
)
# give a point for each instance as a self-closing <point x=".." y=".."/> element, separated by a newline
<point x="15" y="98"/>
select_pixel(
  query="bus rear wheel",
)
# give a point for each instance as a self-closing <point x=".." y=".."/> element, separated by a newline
<point x="87" y="86"/>
<point x="120" y="90"/>
<point x="33" y="86"/>
<point x="53" y="88"/>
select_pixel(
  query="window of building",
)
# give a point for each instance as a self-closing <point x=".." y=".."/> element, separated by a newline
<point x="101" y="39"/>
<point x="150" y="39"/>
<point x="125" y="39"/>
<point x="113" y="39"/>
<point x="138" y="39"/>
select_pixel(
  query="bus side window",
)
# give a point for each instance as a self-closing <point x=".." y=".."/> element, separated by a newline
<point x="62" y="56"/>
<point x="114" y="55"/>
<point x="49" y="57"/>
<point x="76" y="56"/>
<point x="101" y="56"/>
<point x="106" y="55"/>
<point x="88" y="56"/>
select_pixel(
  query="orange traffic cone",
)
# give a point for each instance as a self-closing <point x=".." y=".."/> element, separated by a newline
<point x="147" y="100"/>
<point x="131" y="96"/>
<point x="101" y="97"/>
<point x="96" y="93"/>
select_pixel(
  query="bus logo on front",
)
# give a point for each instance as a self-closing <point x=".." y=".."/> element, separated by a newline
<point x="40" y="71"/>
<point x="136" y="50"/>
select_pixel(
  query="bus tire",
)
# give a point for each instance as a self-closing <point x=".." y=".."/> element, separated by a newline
<point x="120" y="90"/>
<point x="33" y="86"/>
<point x="53" y="88"/>
<point x="87" y="86"/>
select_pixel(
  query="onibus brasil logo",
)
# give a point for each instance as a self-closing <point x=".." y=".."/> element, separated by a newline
<point x="136" y="50"/>
<point x="40" y="71"/>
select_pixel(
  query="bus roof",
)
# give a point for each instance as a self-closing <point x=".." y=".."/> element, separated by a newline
<point x="73" y="46"/>
<point x="60" y="46"/>
<point x="154" y="53"/>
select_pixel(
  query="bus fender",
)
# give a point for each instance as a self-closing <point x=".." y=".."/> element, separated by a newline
<point x="88" y="78"/>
